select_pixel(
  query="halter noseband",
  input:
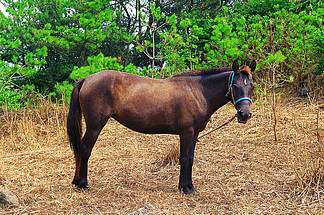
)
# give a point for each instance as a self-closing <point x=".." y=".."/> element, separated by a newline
<point x="230" y="89"/>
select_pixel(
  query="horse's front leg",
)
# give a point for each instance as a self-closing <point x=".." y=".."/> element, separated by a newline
<point x="191" y="161"/>
<point x="187" y="147"/>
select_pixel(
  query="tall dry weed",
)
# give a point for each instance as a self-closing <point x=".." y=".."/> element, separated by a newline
<point x="32" y="126"/>
<point x="306" y="157"/>
<point x="171" y="156"/>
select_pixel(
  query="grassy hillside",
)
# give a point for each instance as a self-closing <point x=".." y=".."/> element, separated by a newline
<point x="238" y="169"/>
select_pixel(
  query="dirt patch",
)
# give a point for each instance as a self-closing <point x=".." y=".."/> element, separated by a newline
<point x="238" y="169"/>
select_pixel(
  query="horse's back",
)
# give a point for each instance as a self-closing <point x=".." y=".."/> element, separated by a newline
<point x="118" y="85"/>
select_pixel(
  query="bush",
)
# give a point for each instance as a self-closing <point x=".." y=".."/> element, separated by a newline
<point x="96" y="64"/>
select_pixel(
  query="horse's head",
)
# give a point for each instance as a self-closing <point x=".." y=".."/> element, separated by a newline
<point x="241" y="87"/>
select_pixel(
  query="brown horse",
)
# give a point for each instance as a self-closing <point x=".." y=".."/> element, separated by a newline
<point x="179" y="105"/>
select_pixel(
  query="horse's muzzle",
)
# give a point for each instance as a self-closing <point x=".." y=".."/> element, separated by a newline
<point x="243" y="116"/>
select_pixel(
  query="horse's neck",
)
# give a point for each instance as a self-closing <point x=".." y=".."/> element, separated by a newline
<point x="215" y="90"/>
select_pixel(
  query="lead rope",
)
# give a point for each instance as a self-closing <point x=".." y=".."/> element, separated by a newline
<point x="217" y="128"/>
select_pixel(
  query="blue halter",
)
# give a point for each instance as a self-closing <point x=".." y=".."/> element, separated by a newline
<point x="241" y="99"/>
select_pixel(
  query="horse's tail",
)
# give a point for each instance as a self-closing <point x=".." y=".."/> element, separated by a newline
<point x="74" y="119"/>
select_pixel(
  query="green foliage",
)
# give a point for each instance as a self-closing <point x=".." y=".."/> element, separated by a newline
<point x="131" y="68"/>
<point x="64" y="27"/>
<point x="96" y="64"/>
<point x="224" y="45"/>
<point x="9" y="96"/>
<point x="41" y="42"/>
<point x="163" y="42"/>
<point x="293" y="35"/>
<point x="16" y="70"/>
<point x="263" y="7"/>
<point x="64" y="89"/>
<point x="276" y="58"/>
<point x="196" y="31"/>
<point x="45" y="46"/>
<point x="319" y="48"/>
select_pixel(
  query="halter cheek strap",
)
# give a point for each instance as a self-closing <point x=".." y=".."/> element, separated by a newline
<point x="231" y="89"/>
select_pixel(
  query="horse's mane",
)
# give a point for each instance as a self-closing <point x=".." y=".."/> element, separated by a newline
<point x="202" y="72"/>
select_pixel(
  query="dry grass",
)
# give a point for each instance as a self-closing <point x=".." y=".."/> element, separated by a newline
<point x="239" y="169"/>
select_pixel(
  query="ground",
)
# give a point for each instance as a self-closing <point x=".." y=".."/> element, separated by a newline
<point x="239" y="169"/>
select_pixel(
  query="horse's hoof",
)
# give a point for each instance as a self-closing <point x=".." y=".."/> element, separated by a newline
<point x="80" y="185"/>
<point x="192" y="189"/>
<point x="187" y="189"/>
<point x="86" y="188"/>
<point x="75" y="182"/>
<point x="81" y="189"/>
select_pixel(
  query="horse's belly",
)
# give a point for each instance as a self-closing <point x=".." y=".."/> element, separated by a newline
<point x="148" y="117"/>
<point x="146" y="125"/>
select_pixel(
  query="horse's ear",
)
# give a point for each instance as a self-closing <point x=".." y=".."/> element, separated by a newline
<point x="253" y="66"/>
<point x="235" y="66"/>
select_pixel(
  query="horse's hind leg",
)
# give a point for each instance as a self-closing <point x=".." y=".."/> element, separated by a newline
<point x="94" y="127"/>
